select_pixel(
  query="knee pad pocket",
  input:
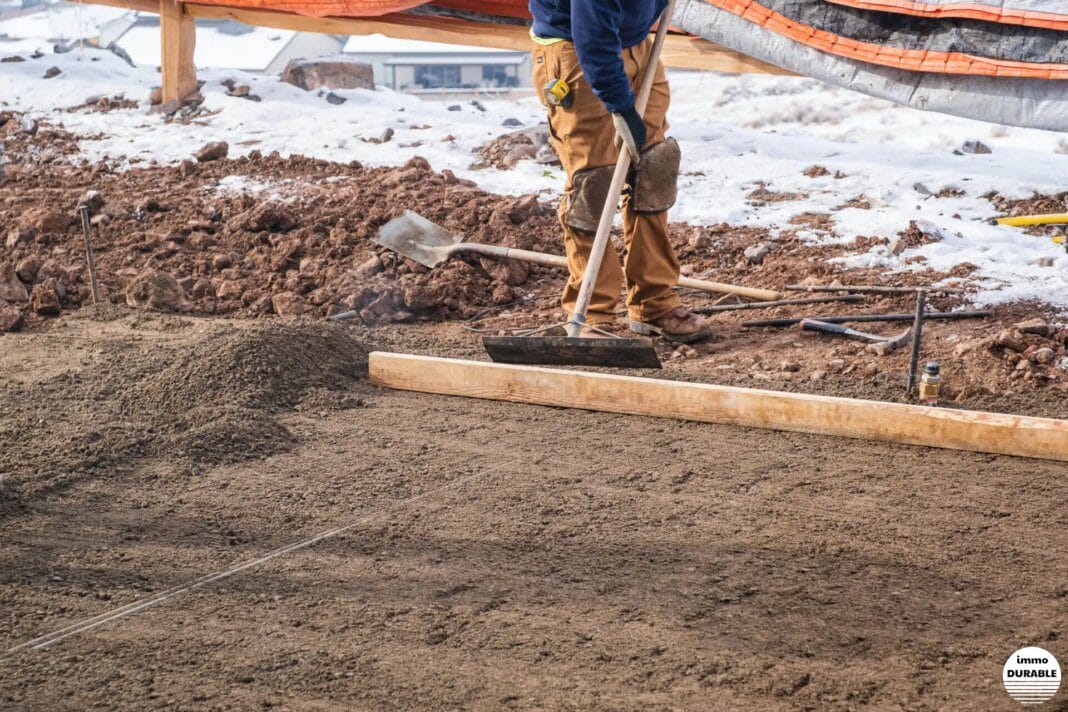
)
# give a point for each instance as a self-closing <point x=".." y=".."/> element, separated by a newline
<point x="585" y="202"/>
<point x="656" y="177"/>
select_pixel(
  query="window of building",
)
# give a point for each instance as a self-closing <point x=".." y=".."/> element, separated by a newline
<point x="437" y="76"/>
<point x="499" y="75"/>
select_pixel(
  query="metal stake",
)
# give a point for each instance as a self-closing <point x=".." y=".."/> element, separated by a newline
<point x="917" y="333"/>
<point x="84" y="210"/>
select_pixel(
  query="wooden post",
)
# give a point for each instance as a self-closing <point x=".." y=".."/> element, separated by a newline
<point x="177" y="42"/>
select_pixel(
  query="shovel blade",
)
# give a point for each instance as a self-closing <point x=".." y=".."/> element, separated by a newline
<point x="572" y="351"/>
<point x="418" y="239"/>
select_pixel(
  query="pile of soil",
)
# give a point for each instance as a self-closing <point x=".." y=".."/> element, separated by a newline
<point x="297" y="242"/>
<point x="207" y="398"/>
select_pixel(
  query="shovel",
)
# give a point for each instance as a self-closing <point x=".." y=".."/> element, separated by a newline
<point x="429" y="244"/>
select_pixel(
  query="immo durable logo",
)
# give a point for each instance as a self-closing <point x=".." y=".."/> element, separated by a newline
<point x="1031" y="676"/>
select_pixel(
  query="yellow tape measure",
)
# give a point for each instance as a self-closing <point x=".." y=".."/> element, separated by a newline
<point x="558" y="93"/>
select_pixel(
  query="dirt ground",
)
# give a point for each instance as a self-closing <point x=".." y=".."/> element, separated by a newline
<point x="496" y="556"/>
<point x="261" y="235"/>
<point x="475" y="555"/>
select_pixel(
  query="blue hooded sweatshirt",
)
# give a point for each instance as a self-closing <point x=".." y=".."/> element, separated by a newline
<point x="600" y="30"/>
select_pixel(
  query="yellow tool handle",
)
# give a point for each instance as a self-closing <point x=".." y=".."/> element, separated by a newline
<point x="1024" y="220"/>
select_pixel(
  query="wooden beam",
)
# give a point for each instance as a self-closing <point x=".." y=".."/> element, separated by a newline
<point x="151" y="6"/>
<point x="177" y="42"/>
<point x="847" y="417"/>
<point x="679" y="50"/>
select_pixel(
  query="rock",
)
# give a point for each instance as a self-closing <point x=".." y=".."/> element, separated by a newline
<point x="975" y="148"/>
<point x="289" y="304"/>
<point x="12" y="58"/>
<point x="478" y="105"/>
<point x="1044" y="355"/>
<point x="212" y="151"/>
<point x="52" y="269"/>
<point x="331" y="73"/>
<point x="92" y="200"/>
<point x="546" y="156"/>
<point x="52" y="72"/>
<point x="155" y="96"/>
<point x="28" y="125"/>
<point x="45" y="220"/>
<point x="523" y="209"/>
<point x="332" y="98"/>
<point x="789" y="367"/>
<point x="1044" y="261"/>
<point x="222" y="261"/>
<point x="1034" y="326"/>
<point x="511" y="122"/>
<point x="157" y="290"/>
<point x="11" y="289"/>
<point x="264" y="216"/>
<point x="387" y="135"/>
<point x="19" y="235"/>
<point x="755" y="254"/>
<point x="369" y="268"/>
<point x="10" y="318"/>
<point x="816" y="376"/>
<point x="28" y="268"/>
<point x="453" y="107"/>
<point x="836" y="365"/>
<point x="1009" y="339"/>
<point x="44" y="301"/>
<point x="699" y="241"/>
<point x="229" y="289"/>
<point x="114" y="210"/>
<point x="510" y="272"/>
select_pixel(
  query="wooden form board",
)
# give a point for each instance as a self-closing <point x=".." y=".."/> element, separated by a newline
<point x="847" y="417"/>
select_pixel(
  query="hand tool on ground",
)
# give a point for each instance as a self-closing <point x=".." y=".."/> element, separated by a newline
<point x="90" y="263"/>
<point x="917" y="334"/>
<point x="870" y="289"/>
<point x="716" y="308"/>
<point x="881" y="345"/>
<point x="1058" y="221"/>
<point x="429" y="244"/>
<point x="847" y="318"/>
<point x="605" y="349"/>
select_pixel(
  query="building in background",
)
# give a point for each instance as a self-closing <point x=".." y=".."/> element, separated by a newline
<point x="415" y="66"/>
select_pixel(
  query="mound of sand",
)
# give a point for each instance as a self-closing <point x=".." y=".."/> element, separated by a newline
<point x="209" y="399"/>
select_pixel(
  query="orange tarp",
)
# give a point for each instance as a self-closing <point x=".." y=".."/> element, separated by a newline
<point x="374" y="8"/>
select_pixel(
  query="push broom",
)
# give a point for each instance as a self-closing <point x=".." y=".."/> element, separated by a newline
<point x="605" y="349"/>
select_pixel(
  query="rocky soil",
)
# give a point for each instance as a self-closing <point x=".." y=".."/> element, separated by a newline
<point x="261" y="236"/>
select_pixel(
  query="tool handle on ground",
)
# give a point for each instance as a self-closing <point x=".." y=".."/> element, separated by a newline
<point x="513" y="253"/>
<point x="615" y="189"/>
<point x="541" y="258"/>
<point x="89" y="261"/>
<point x="814" y="325"/>
<point x="761" y="295"/>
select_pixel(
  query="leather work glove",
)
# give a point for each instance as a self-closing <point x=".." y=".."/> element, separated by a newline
<point x="630" y="132"/>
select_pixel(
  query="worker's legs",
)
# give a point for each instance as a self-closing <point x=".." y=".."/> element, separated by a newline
<point x="650" y="264"/>
<point x="582" y="135"/>
<point x="584" y="138"/>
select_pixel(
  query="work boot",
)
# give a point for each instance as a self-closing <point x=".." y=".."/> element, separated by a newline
<point x="680" y="324"/>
